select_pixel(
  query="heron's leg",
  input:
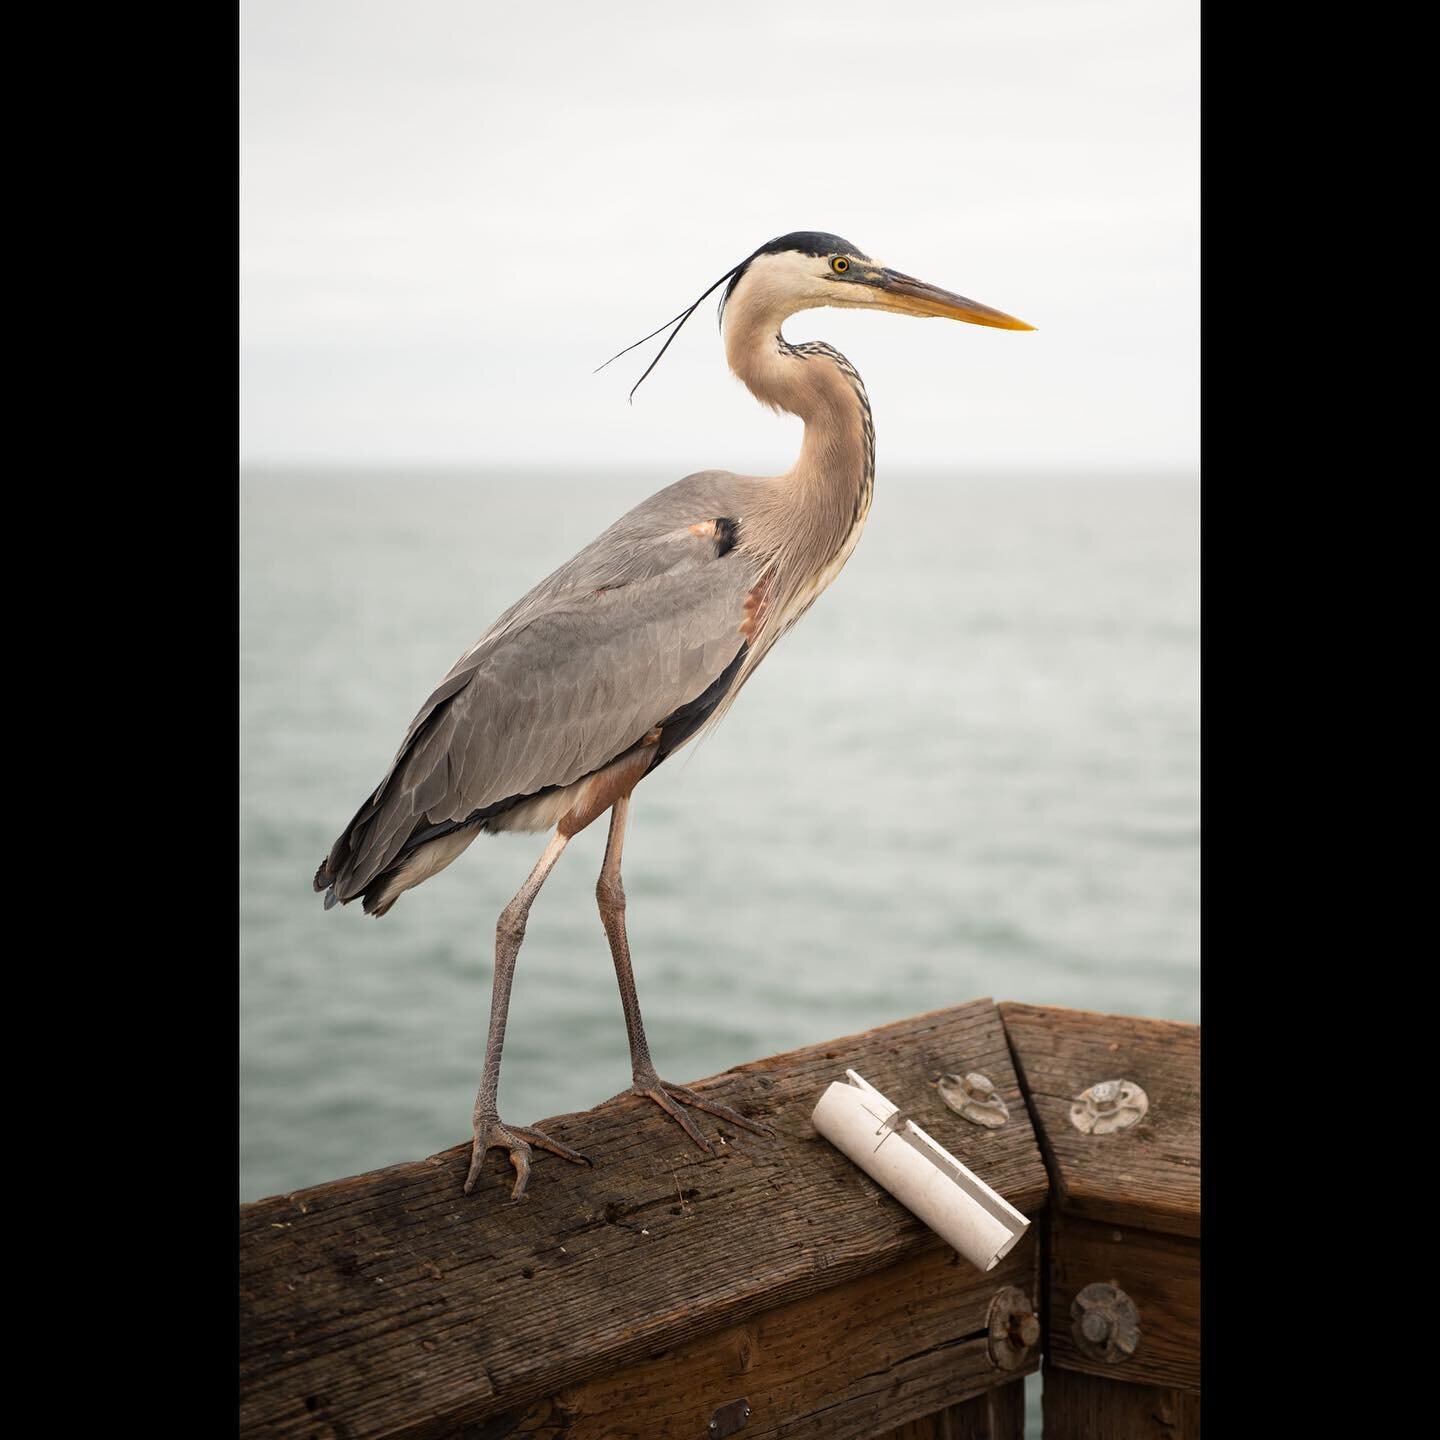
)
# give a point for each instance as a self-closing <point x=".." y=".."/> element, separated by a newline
<point x="610" y="893"/>
<point x="489" y="1131"/>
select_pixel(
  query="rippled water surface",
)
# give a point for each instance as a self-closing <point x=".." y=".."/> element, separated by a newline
<point x="973" y="769"/>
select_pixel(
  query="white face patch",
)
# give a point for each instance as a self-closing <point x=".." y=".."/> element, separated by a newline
<point x="779" y="285"/>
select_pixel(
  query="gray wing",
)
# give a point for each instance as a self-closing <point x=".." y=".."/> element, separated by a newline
<point x="638" y="624"/>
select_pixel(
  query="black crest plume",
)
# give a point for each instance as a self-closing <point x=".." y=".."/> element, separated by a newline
<point x="807" y="242"/>
<point x="677" y="321"/>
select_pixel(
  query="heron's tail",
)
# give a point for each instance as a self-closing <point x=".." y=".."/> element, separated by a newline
<point x="375" y="899"/>
<point x="325" y="881"/>
<point x="427" y="853"/>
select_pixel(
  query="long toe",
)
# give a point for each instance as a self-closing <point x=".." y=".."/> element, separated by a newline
<point x="661" y="1096"/>
<point x="517" y="1140"/>
<point x="671" y="1098"/>
<point x="714" y="1107"/>
<point x="548" y="1142"/>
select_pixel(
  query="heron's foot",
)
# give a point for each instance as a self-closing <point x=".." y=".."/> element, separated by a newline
<point x="673" y="1098"/>
<point x="517" y="1139"/>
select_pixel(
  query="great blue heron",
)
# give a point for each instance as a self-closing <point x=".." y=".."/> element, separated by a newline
<point x="606" y="668"/>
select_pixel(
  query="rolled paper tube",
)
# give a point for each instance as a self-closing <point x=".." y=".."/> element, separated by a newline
<point x="923" y="1176"/>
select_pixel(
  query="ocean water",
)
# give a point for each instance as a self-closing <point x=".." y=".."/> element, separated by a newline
<point x="972" y="769"/>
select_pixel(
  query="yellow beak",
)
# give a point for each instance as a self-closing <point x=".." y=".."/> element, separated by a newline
<point x="908" y="296"/>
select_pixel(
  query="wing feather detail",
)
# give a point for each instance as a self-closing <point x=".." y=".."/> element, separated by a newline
<point x="631" y="630"/>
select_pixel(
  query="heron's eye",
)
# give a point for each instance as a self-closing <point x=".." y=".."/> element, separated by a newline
<point x="839" y="264"/>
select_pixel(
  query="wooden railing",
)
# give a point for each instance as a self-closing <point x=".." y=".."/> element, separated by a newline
<point x="771" y="1290"/>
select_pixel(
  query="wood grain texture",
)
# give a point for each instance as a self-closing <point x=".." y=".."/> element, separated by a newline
<point x="389" y="1304"/>
<point x="1146" y="1176"/>
<point x="1078" y="1406"/>
<point x="840" y="1365"/>
<point x="996" y="1415"/>
<point x="1160" y="1273"/>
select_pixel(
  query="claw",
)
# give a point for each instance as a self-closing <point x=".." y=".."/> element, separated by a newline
<point x="517" y="1139"/>
<point x="666" y="1096"/>
<point x="663" y="1100"/>
<point x="701" y="1102"/>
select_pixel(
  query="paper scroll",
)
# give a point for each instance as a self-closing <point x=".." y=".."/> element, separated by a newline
<point x="923" y="1176"/>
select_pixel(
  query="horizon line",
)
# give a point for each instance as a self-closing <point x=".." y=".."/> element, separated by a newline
<point x="617" y="467"/>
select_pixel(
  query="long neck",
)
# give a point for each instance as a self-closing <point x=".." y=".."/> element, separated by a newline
<point x="823" y="499"/>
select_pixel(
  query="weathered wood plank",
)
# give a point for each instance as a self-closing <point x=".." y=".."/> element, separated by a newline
<point x="391" y="1305"/>
<point x="998" y="1414"/>
<point x="1147" y="1176"/>
<point x="1125" y="1211"/>
<point x="1160" y="1273"/>
<point x="898" y="1344"/>
<point x="1078" y="1406"/>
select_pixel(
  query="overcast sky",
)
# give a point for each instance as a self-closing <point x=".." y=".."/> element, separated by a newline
<point x="453" y="210"/>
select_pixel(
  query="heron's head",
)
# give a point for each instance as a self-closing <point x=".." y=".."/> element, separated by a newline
<point x="809" y="268"/>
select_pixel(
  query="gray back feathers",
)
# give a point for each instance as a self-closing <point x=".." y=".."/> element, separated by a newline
<point x="636" y="625"/>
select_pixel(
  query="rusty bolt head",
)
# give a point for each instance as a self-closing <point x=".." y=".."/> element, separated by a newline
<point x="974" y="1096"/>
<point x="1014" y="1328"/>
<point x="1108" y="1106"/>
<point x="729" y="1419"/>
<point x="1105" y="1324"/>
